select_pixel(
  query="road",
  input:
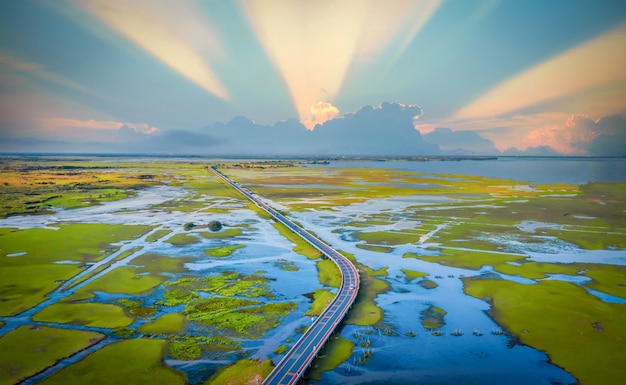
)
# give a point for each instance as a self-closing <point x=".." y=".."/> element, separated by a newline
<point x="299" y="357"/>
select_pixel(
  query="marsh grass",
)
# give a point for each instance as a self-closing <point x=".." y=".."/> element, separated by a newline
<point x="28" y="350"/>
<point x="328" y="273"/>
<point x="432" y="318"/>
<point x="166" y="324"/>
<point x="336" y="351"/>
<point x="561" y="319"/>
<point x="87" y="314"/>
<point x="26" y="280"/>
<point x="321" y="299"/>
<point x="134" y="361"/>
<point x="412" y="274"/>
<point x="225" y="251"/>
<point x="242" y="372"/>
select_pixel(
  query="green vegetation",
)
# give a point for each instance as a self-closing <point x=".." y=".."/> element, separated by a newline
<point x="300" y="245"/>
<point x="432" y="317"/>
<point x="226" y="311"/>
<point x="240" y="318"/>
<point x="182" y="239"/>
<point x="468" y="259"/>
<point x="365" y="312"/>
<point x="328" y="273"/>
<point x="336" y="351"/>
<point x="321" y="299"/>
<point x="79" y="243"/>
<point x="193" y="348"/>
<point x="428" y="284"/>
<point x="215" y="225"/>
<point x="286" y="265"/>
<point x="30" y="349"/>
<point x="122" y="280"/>
<point x="376" y="248"/>
<point x="136" y="361"/>
<point x="242" y="372"/>
<point x="387" y="237"/>
<point x="166" y="324"/>
<point x="157" y="235"/>
<point x="135" y="308"/>
<point x="281" y="349"/>
<point x="412" y="274"/>
<point x="103" y="267"/>
<point x="561" y="319"/>
<point x="87" y="314"/>
<point x="221" y="252"/>
<point x="148" y="272"/>
<point x="39" y="186"/>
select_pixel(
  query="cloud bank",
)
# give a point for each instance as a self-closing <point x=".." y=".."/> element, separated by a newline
<point x="385" y="130"/>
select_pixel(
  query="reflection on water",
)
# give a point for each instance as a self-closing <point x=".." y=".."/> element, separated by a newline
<point x="535" y="170"/>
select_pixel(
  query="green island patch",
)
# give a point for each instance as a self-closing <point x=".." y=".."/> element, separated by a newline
<point x="365" y="312"/>
<point x="563" y="320"/>
<point x="300" y="245"/>
<point x="242" y="372"/>
<point x="134" y="361"/>
<point x="321" y="300"/>
<point x="158" y="234"/>
<point x="87" y="314"/>
<point x="28" y="350"/>
<point x="412" y="274"/>
<point x="286" y="265"/>
<point x="166" y="324"/>
<point x="432" y="317"/>
<point x="387" y="237"/>
<point x="328" y="273"/>
<point x="468" y="259"/>
<point x="335" y="351"/>
<point x="428" y="284"/>
<point x="182" y="239"/>
<point x="187" y="348"/>
<point x="221" y="252"/>
<point x="376" y="248"/>
<point x="27" y="279"/>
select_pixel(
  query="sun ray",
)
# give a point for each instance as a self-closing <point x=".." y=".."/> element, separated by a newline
<point x="595" y="63"/>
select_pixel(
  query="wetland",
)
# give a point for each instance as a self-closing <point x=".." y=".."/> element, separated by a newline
<point x="489" y="271"/>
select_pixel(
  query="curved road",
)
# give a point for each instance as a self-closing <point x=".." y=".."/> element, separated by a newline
<point x="297" y="360"/>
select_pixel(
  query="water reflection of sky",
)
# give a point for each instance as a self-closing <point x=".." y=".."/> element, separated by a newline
<point x="535" y="170"/>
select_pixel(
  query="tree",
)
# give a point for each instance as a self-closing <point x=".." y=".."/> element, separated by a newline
<point x="215" y="225"/>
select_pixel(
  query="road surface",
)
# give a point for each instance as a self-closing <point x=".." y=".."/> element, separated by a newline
<point x="297" y="360"/>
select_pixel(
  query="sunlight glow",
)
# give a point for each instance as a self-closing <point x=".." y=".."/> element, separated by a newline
<point x="593" y="64"/>
<point x="172" y="32"/>
<point x="313" y="43"/>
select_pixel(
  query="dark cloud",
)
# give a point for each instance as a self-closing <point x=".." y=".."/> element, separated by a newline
<point x="609" y="136"/>
<point x="461" y="142"/>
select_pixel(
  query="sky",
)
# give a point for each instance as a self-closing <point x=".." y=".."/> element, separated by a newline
<point x="326" y="77"/>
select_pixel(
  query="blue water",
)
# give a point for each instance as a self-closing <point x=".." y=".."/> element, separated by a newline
<point x="533" y="170"/>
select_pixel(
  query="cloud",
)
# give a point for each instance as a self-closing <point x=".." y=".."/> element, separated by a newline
<point x="313" y="44"/>
<point x="383" y="130"/>
<point x="172" y="32"/>
<point x="593" y="64"/>
<point x="461" y="142"/>
<point x="91" y="124"/>
<point x="320" y="113"/>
